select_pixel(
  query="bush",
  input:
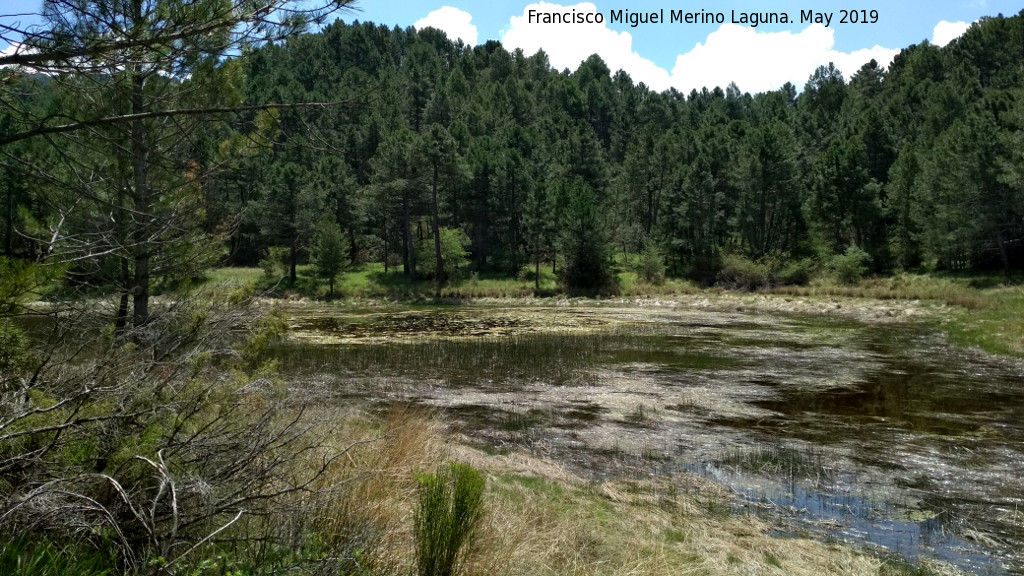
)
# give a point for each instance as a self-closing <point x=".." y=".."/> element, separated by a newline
<point x="851" y="266"/>
<point x="797" y="272"/>
<point x="451" y="506"/>
<point x="454" y="254"/>
<point x="275" y="264"/>
<point x="651" y="267"/>
<point x="742" y="273"/>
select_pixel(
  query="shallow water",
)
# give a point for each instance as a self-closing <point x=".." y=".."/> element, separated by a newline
<point x="879" y="435"/>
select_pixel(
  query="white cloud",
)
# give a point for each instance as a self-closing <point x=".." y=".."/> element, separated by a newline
<point x="16" y="48"/>
<point x="756" y="61"/>
<point x="454" y="22"/>
<point x="762" y="61"/>
<point x="946" y="32"/>
<point x="569" y="44"/>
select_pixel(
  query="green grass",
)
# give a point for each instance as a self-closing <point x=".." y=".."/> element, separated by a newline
<point x="371" y="281"/>
<point x="985" y="311"/>
<point x="24" y="556"/>
<point x="998" y="328"/>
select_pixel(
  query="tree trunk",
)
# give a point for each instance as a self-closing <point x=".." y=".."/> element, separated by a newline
<point x="293" y="259"/>
<point x="143" y="205"/>
<point x="439" y="274"/>
<point x="1003" y="253"/>
<point x="353" y="250"/>
<point x="536" y="263"/>
<point x="121" y="320"/>
<point x="9" y="229"/>
<point x="407" y="260"/>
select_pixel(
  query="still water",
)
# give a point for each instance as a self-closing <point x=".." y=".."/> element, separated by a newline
<point x="880" y="435"/>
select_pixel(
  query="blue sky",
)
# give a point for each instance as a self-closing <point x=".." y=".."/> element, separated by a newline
<point x="695" y="55"/>
<point x="687" y="56"/>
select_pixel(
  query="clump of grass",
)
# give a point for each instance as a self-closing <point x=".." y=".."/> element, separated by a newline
<point x="450" y="508"/>
<point x="557" y="357"/>
<point x="781" y="461"/>
<point x="22" y="556"/>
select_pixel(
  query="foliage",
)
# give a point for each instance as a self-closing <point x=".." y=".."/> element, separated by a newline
<point x="651" y="265"/>
<point x="275" y="263"/>
<point x="330" y="250"/>
<point x="737" y="271"/>
<point x="450" y="509"/>
<point x="742" y="273"/>
<point x="797" y="272"/>
<point x="14" y="351"/>
<point x="27" y="556"/>
<point x="454" y="254"/>
<point x="587" y="267"/>
<point x="850" y="266"/>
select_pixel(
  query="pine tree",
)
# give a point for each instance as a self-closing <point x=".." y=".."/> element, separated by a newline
<point x="330" y="250"/>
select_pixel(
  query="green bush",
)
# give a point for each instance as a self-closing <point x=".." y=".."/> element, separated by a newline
<point x="454" y="254"/>
<point x="851" y="266"/>
<point x="651" y="266"/>
<point x="14" y="349"/>
<point x="330" y="250"/>
<point x="742" y="273"/>
<point x="451" y="506"/>
<point x="275" y="264"/>
<point x="584" y="245"/>
<point x="739" y="272"/>
<point x="797" y="272"/>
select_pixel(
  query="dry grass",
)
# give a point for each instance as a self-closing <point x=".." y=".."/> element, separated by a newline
<point x="362" y="507"/>
<point x="543" y="519"/>
<point x="900" y="287"/>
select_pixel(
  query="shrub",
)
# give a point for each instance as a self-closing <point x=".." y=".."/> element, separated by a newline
<point x="275" y="264"/>
<point x="742" y="273"/>
<point x="851" y="266"/>
<point x="450" y="508"/>
<point x="797" y="272"/>
<point x="454" y="254"/>
<point x="651" y="267"/>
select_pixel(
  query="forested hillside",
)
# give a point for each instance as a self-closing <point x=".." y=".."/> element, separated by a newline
<point x="428" y="142"/>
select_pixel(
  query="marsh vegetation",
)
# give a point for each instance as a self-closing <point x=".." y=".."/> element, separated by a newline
<point x="884" y="436"/>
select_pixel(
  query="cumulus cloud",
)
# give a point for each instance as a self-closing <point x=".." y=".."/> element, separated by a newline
<point x="454" y="22"/>
<point x="946" y="32"/>
<point x="756" y="61"/>
<point x="762" y="61"/>
<point x="569" y="44"/>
